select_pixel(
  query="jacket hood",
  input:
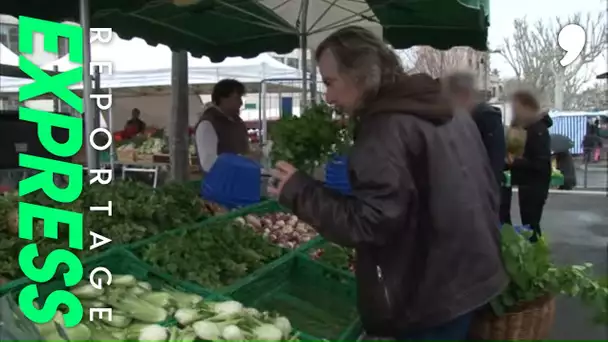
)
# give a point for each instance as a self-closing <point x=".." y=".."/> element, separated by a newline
<point x="487" y="110"/>
<point x="419" y="95"/>
<point x="546" y="119"/>
<point x="542" y="119"/>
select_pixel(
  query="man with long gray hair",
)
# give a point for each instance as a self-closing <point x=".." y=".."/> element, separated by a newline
<point x="423" y="211"/>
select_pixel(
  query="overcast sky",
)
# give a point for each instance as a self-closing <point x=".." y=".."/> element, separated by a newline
<point x="503" y="12"/>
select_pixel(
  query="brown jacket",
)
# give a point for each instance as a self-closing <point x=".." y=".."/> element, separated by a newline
<point x="423" y="215"/>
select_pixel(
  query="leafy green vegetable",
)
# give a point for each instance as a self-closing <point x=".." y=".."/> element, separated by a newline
<point x="309" y="140"/>
<point x="212" y="256"/>
<point x="138" y="211"/>
<point x="534" y="276"/>
<point x="335" y="256"/>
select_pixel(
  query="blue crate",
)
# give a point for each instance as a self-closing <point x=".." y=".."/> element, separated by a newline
<point x="233" y="181"/>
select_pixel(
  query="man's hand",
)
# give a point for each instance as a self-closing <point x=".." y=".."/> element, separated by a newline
<point x="280" y="176"/>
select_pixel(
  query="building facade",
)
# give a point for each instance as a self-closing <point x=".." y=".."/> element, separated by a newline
<point x="9" y="37"/>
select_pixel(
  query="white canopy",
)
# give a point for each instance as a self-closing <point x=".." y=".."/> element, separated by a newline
<point x="7" y="57"/>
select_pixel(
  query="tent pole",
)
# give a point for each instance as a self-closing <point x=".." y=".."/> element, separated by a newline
<point x="313" y="79"/>
<point x="56" y="103"/>
<point x="110" y="123"/>
<point x="304" y="54"/>
<point x="178" y="124"/>
<point x="89" y="106"/>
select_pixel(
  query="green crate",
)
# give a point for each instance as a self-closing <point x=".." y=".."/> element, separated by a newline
<point x="335" y="257"/>
<point x="218" y="222"/>
<point x="269" y="206"/>
<point x="260" y="208"/>
<point x="319" y="301"/>
<point x="191" y="282"/>
<point x="117" y="261"/>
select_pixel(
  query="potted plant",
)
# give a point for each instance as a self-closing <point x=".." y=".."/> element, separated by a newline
<point x="526" y="308"/>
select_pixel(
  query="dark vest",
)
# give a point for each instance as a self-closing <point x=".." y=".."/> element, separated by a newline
<point x="231" y="132"/>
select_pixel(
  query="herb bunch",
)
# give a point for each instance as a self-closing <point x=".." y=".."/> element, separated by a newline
<point x="534" y="276"/>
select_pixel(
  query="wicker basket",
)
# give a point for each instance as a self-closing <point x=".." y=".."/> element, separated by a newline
<point x="531" y="323"/>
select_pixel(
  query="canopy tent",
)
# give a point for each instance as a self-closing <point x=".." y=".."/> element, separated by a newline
<point x="138" y="65"/>
<point x="223" y="28"/>
<point x="9" y="64"/>
<point x="144" y="82"/>
<point x="7" y="56"/>
<point x="574" y="126"/>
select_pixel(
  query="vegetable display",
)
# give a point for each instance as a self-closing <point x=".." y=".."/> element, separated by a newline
<point x="152" y="142"/>
<point x="230" y="320"/>
<point x="213" y="256"/>
<point x="283" y="229"/>
<point x="141" y="313"/>
<point x="336" y="256"/>
<point x="138" y="212"/>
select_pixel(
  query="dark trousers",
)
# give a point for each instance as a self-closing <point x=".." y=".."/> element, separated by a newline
<point x="532" y="201"/>
<point x="506" y="196"/>
<point x="454" y="330"/>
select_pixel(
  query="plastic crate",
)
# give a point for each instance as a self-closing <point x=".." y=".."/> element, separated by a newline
<point x="266" y="207"/>
<point x="319" y="302"/>
<point x="217" y="222"/>
<point x="117" y="261"/>
<point x="233" y="181"/>
<point x="334" y="257"/>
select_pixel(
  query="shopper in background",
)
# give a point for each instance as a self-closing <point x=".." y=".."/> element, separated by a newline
<point x="532" y="171"/>
<point x="592" y="142"/>
<point x="465" y="96"/>
<point x="423" y="210"/>
<point x="220" y="128"/>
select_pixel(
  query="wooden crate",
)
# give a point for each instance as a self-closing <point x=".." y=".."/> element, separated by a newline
<point x="125" y="156"/>
<point x="144" y="158"/>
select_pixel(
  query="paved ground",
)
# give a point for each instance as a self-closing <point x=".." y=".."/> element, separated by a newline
<point x="597" y="174"/>
<point x="577" y="229"/>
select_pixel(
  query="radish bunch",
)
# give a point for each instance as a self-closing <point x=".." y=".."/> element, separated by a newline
<point x="282" y="229"/>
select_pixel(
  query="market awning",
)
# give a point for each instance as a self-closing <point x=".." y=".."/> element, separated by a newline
<point x="224" y="28"/>
<point x="216" y="29"/>
<point x="441" y="24"/>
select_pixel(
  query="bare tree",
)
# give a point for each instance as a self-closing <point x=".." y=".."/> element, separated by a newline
<point x="533" y="54"/>
<point x="592" y="98"/>
<point x="438" y="63"/>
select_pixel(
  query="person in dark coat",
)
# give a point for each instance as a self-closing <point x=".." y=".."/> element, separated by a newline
<point x="465" y="97"/>
<point x="423" y="211"/>
<point x="532" y="172"/>
<point x="565" y="163"/>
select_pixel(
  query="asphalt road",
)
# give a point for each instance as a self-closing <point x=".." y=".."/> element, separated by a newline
<point x="576" y="227"/>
